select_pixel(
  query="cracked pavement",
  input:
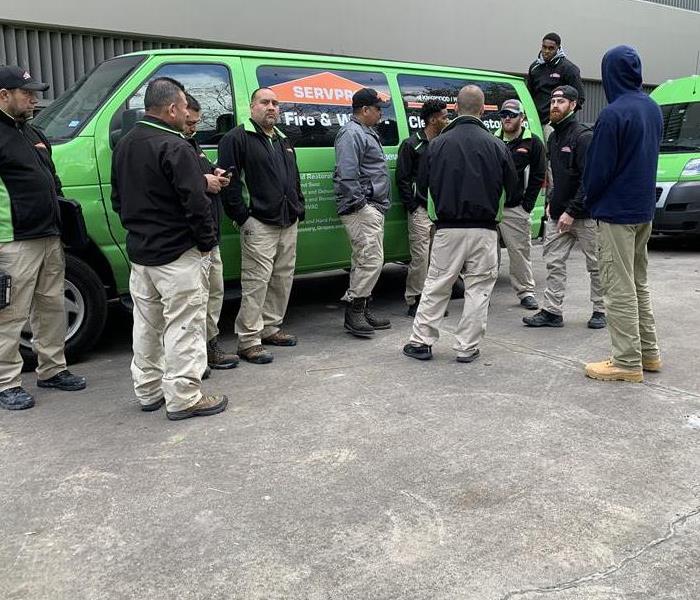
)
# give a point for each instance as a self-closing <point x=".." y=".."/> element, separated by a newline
<point x="345" y="470"/>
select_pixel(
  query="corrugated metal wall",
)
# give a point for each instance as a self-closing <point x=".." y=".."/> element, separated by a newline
<point x="62" y="57"/>
<point x="686" y="4"/>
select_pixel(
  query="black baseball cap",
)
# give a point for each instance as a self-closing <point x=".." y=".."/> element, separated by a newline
<point x="13" y="78"/>
<point x="367" y="97"/>
<point x="565" y="91"/>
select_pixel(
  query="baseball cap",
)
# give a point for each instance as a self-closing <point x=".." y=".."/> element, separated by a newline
<point x="367" y="97"/>
<point x="12" y="78"/>
<point x="565" y="91"/>
<point x="511" y="106"/>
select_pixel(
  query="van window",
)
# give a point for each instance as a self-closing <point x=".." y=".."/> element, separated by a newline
<point x="316" y="103"/>
<point x="66" y="116"/>
<point x="417" y="89"/>
<point x="211" y="85"/>
<point x="681" y="127"/>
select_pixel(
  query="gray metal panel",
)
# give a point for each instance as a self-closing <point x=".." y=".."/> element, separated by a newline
<point x="62" y="57"/>
<point x="686" y="4"/>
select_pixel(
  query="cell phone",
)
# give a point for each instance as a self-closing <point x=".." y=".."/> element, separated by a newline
<point x="228" y="173"/>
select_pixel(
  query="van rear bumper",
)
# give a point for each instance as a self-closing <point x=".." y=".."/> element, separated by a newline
<point x="677" y="208"/>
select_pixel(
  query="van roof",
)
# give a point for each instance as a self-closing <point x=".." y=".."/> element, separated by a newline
<point x="674" y="91"/>
<point x="319" y="57"/>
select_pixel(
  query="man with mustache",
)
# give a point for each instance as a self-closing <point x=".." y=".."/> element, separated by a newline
<point x="265" y="168"/>
<point x="568" y="221"/>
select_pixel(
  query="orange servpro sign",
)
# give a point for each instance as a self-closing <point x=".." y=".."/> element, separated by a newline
<point x="321" y="88"/>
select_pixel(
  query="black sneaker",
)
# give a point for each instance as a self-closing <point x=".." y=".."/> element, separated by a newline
<point x="65" y="380"/>
<point x="153" y="405"/>
<point x="597" y="320"/>
<point x="529" y="303"/>
<point x="469" y="358"/>
<point x="16" y="398"/>
<point x="544" y="319"/>
<point x="419" y="351"/>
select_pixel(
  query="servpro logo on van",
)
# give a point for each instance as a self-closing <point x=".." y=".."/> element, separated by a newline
<point x="323" y="88"/>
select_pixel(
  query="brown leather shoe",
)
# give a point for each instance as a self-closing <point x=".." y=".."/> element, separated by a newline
<point x="651" y="363"/>
<point x="206" y="406"/>
<point x="280" y="338"/>
<point x="256" y="355"/>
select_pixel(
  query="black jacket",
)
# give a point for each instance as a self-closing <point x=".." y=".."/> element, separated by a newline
<point x="568" y="146"/>
<point x="208" y="169"/>
<point x="29" y="186"/>
<point x="159" y="193"/>
<point x="411" y="151"/>
<point x="265" y="183"/>
<point x="529" y="158"/>
<point x="468" y="171"/>
<point x="542" y="78"/>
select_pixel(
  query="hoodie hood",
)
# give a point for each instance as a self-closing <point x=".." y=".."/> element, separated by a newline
<point x="558" y="56"/>
<point x="622" y="72"/>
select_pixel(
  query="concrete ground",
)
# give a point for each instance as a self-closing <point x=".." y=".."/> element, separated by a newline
<point x="345" y="470"/>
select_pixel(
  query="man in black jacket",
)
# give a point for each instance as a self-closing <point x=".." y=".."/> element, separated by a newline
<point x="468" y="174"/>
<point x="550" y="70"/>
<point x="528" y="154"/>
<point x="159" y="193"/>
<point x="217" y="357"/>
<point x="266" y="173"/>
<point x="568" y="220"/>
<point x="31" y="253"/>
<point x="420" y="228"/>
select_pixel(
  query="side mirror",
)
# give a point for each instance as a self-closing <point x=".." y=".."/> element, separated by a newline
<point x="127" y="120"/>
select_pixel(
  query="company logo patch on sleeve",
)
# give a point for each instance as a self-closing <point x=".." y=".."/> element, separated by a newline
<point x="523" y="150"/>
<point x="40" y="145"/>
<point x="566" y="149"/>
<point x="555" y="75"/>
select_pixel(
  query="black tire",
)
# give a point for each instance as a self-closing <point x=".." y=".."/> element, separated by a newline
<point x="86" y="305"/>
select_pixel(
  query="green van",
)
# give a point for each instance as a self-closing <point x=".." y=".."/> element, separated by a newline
<point x="86" y="122"/>
<point x="678" y="174"/>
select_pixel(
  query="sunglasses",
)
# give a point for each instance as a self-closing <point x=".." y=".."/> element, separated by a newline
<point x="508" y="115"/>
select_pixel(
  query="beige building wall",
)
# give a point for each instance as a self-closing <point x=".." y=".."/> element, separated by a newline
<point x="503" y="36"/>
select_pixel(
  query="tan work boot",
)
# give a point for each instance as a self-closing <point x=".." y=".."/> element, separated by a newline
<point x="607" y="371"/>
<point x="280" y="338"/>
<point x="256" y="355"/>
<point x="651" y="363"/>
<point x="205" y="406"/>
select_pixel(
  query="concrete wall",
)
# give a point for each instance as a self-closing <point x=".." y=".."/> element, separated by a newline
<point x="502" y="36"/>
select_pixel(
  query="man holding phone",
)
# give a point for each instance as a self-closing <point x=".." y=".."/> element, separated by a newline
<point x="217" y="357"/>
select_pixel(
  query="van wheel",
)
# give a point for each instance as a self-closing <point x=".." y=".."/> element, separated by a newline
<point x="86" y="313"/>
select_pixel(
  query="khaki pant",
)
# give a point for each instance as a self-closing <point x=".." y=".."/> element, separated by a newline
<point x="514" y="230"/>
<point x="268" y="257"/>
<point x="556" y="250"/>
<point x="170" y="353"/>
<point x="216" y="293"/>
<point x="623" y="273"/>
<point x="365" y="229"/>
<point x="471" y="254"/>
<point x="420" y="235"/>
<point x="37" y="268"/>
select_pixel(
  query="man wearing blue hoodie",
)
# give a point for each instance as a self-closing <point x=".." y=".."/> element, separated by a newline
<point x="620" y="180"/>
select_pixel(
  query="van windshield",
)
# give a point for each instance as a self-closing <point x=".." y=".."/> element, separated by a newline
<point x="66" y="116"/>
<point x="681" y="127"/>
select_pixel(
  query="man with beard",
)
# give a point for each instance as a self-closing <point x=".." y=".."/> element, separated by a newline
<point x="31" y="252"/>
<point x="527" y="152"/>
<point x="265" y="168"/>
<point x="568" y="219"/>
<point x="420" y="228"/>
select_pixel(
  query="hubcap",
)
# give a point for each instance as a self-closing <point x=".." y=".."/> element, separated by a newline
<point x="75" y="315"/>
